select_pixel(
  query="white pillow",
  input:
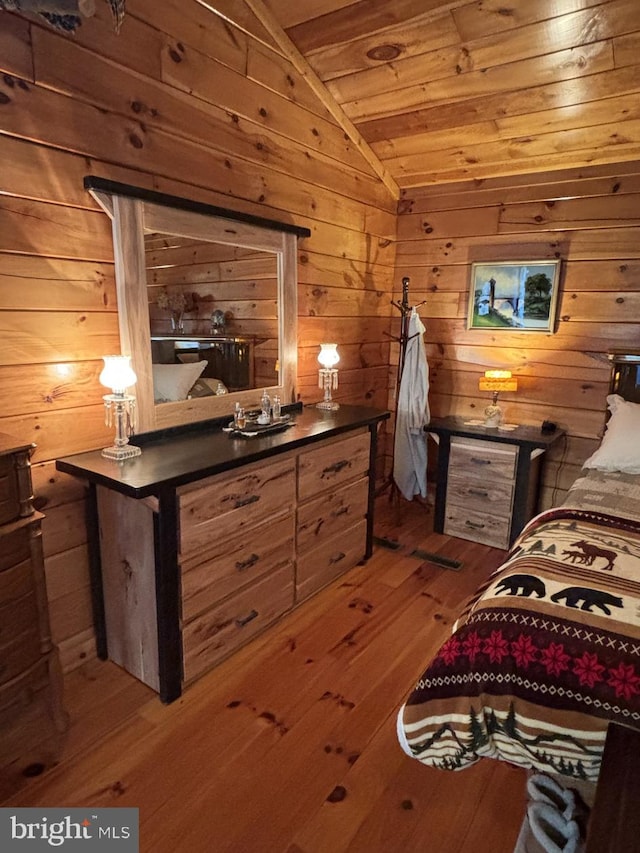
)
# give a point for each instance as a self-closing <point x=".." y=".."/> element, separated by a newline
<point x="620" y="446"/>
<point x="173" y="381"/>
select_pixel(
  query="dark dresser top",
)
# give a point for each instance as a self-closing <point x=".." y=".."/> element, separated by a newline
<point x="189" y="455"/>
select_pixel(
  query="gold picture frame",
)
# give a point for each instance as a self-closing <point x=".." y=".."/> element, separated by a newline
<point x="514" y="295"/>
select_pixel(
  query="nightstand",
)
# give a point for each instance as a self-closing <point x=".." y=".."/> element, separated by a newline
<point x="488" y="480"/>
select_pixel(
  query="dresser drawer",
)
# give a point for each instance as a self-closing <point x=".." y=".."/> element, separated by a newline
<point x="481" y="527"/>
<point x="16" y="582"/>
<point x="332" y="464"/>
<point x="232" y="565"/>
<point x="16" y="544"/>
<point x="19" y="653"/>
<point x="220" y="507"/>
<point x="19" y="691"/>
<point x="17" y="616"/>
<point x="9" y="502"/>
<point x="212" y="636"/>
<point x="482" y="459"/>
<point x="492" y="494"/>
<point x="336" y="555"/>
<point x="322" y="518"/>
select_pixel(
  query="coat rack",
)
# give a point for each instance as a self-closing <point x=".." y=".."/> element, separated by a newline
<point x="403" y="339"/>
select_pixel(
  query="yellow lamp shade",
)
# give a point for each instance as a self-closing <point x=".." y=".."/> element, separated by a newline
<point x="498" y="380"/>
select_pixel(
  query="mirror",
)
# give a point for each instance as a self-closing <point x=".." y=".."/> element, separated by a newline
<point x="215" y="304"/>
<point x="236" y="275"/>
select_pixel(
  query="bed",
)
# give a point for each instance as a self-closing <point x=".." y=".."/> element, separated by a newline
<point x="547" y="652"/>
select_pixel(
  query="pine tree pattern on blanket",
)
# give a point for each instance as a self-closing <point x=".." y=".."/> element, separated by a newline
<point x="545" y="655"/>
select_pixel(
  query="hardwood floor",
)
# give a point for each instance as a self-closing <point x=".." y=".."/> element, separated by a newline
<point x="291" y="745"/>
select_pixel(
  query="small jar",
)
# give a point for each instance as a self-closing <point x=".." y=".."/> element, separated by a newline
<point x="239" y="418"/>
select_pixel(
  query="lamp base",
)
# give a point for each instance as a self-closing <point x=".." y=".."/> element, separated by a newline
<point x="328" y="405"/>
<point x="128" y="451"/>
<point x="492" y="416"/>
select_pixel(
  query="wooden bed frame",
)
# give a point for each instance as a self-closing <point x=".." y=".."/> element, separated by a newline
<point x="614" y="824"/>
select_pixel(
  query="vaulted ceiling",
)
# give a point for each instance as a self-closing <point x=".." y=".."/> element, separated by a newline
<point x="447" y="91"/>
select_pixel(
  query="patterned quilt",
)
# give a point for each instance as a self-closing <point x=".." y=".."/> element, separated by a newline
<point x="545" y="654"/>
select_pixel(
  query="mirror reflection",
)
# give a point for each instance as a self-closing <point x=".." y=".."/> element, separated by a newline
<point x="214" y="306"/>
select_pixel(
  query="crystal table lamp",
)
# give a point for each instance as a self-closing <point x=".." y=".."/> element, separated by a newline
<point x="119" y="406"/>
<point x="496" y="381"/>
<point x="328" y="375"/>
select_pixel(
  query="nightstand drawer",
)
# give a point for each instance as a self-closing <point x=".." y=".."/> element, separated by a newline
<point x="483" y="459"/>
<point x="491" y="494"/>
<point x="481" y="527"/>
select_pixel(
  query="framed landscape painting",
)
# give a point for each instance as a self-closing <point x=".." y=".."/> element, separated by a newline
<point x="514" y="295"/>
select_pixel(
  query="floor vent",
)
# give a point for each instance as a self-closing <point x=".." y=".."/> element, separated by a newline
<point x="386" y="543"/>
<point x="445" y="562"/>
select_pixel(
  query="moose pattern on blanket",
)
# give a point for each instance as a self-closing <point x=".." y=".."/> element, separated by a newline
<point x="544" y="656"/>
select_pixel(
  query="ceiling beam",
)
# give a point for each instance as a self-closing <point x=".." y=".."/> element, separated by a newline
<point x="290" y="51"/>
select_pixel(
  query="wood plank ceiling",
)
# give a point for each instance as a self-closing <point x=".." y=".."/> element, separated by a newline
<point x="450" y="91"/>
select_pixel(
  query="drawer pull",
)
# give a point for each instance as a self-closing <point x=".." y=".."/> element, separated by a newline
<point x="243" y="565"/>
<point x="336" y="558"/>
<point x="246" y="501"/>
<point x="338" y="512"/>
<point x="477" y="461"/>
<point x="474" y="524"/>
<point x="244" y="620"/>
<point x="337" y="467"/>
<point x="482" y="493"/>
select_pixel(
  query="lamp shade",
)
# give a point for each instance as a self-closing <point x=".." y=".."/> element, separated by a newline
<point x="117" y="373"/>
<point x="498" y="380"/>
<point x="328" y="356"/>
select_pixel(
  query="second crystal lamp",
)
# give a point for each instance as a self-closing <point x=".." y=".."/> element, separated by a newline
<point x="328" y="375"/>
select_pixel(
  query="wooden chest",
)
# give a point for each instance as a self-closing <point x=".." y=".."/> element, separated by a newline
<point x="32" y="719"/>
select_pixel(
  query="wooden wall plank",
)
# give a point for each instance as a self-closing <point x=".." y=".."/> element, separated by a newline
<point x="185" y="22"/>
<point x="34" y="337"/>
<point x="607" y="83"/>
<point x="30" y="388"/>
<point x="436" y="29"/>
<point x="15" y="47"/>
<point x="597" y="181"/>
<point x="537" y="71"/>
<point x="60" y="433"/>
<point x="35" y="228"/>
<point x="474" y="21"/>
<point x="54" y="284"/>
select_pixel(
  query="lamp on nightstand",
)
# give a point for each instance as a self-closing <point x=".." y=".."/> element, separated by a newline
<point x="496" y="381"/>
<point x="118" y="375"/>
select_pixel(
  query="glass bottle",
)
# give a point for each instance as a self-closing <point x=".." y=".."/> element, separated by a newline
<point x="265" y="405"/>
<point x="276" y="408"/>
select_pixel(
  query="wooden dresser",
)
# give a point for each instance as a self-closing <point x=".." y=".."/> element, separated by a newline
<point x="32" y="719"/>
<point x="204" y="540"/>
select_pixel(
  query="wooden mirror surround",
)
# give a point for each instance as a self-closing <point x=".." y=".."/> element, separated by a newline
<point x="136" y="214"/>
